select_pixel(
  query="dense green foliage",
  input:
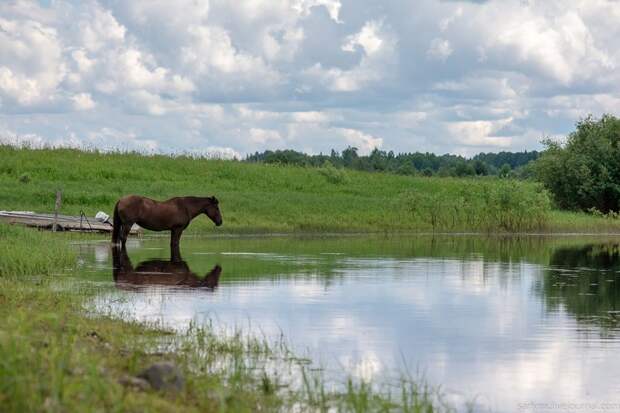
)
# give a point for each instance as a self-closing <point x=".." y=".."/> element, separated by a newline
<point x="584" y="173"/>
<point x="425" y="164"/>
<point x="514" y="160"/>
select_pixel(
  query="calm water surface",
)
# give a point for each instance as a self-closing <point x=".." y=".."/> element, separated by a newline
<point x="506" y="321"/>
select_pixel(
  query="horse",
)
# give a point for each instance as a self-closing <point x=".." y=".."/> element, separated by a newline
<point x="159" y="272"/>
<point x="172" y="215"/>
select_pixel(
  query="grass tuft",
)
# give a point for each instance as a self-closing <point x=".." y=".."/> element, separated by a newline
<point x="28" y="252"/>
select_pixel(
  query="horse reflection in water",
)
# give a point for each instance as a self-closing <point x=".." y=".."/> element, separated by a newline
<point x="159" y="272"/>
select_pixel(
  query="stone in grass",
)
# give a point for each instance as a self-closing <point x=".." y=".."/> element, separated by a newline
<point x="135" y="382"/>
<point x="163" y="376"/>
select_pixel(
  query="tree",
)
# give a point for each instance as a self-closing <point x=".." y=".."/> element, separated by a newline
<point x="584" y="172"/>
<point x="504" y="171"/>
<point x="349" y="156"/>
<point x="378" y="160"/>
<point x="464" y="169"/>
<point x="481" y="167"/>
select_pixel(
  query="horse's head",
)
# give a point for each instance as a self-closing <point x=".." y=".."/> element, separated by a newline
<point x="213" y="211"/>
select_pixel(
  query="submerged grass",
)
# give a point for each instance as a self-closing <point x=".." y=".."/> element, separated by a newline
<point x="272" y="198"/>
<point x="57" y="357"/>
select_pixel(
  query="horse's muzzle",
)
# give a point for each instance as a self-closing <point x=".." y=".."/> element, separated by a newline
<point x="218" y="223"/>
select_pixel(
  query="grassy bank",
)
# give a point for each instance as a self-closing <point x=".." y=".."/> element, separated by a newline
<point x="45" y="255"/>
<point x="271" y="198"/>
<point x="56" y="357"/>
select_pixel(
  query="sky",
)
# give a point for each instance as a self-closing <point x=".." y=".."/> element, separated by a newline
<point x="227" y="78"/>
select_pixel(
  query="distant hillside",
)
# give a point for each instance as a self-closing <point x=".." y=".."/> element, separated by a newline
<point x="257" y="197"/>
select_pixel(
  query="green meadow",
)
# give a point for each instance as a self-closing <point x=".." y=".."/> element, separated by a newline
<point x="267" y="198"/>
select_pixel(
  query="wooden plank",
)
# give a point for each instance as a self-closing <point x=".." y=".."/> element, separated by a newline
<point x="64" y="222"/>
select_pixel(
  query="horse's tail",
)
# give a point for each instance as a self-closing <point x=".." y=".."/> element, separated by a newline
<point x="116" y="226"/>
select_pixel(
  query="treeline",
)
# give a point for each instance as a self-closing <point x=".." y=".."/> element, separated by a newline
<point x="417" y="163"/>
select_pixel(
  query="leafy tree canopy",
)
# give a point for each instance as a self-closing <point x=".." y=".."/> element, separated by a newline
<point x="584" y="172"/>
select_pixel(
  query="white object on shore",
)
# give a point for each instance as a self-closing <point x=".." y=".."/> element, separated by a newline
<point x="102" y="217"/>
<point x="105" y="218"/>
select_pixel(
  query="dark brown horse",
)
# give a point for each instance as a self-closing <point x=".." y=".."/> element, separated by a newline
<point x="159" y="272"/>
<point x="172" y="215"/>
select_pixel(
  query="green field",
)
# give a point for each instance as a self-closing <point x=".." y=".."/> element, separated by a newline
<point x="272" y="198"/>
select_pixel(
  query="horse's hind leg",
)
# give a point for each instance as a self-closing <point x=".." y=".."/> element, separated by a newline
<point x="125" y="232"/>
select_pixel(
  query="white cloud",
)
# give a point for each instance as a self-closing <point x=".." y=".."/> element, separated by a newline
<point x="264" y="136"/>
<point x="369" y="38"/>
<point x="310" y="117"/>
<point x="83" y="101"/>
<point x="84" y="63"/>
<point x="410" y="118"/>
<point x="439" y="49"/>
<point x="31" y="64"/>
<point x="480" y="133"/>
<point x="210" y="56"/>
<point x="362" y="141"/>
<point x="560" y="46"/>
<point x="100" y="29"/>
<point x="445" y="23"/>
<point x="378" y="45"/>
<point x="303" y="7"/>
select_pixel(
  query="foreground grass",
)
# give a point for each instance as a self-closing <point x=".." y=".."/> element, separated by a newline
<point x="56" y="357"/>
<point x="46" y="256"/>
<point x="271" y="198"/>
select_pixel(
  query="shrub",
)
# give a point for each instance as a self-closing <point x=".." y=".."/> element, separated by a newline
<point x="333" y="174"/>
<point x="504" y="171"/>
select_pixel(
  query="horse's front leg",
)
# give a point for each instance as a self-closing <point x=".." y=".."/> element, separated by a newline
<point x="175" y="240"/>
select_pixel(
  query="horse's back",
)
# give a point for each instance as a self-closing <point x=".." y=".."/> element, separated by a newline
<point x="152" y="214"/>
<point x="129" y="200"/>
<point x="133" y="200"/>
<point x="130" y="207"/>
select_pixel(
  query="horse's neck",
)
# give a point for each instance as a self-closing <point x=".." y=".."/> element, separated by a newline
<point x="195" y="206"/>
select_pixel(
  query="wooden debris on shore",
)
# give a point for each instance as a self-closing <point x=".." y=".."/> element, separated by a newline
<point x="63" y="222"/>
